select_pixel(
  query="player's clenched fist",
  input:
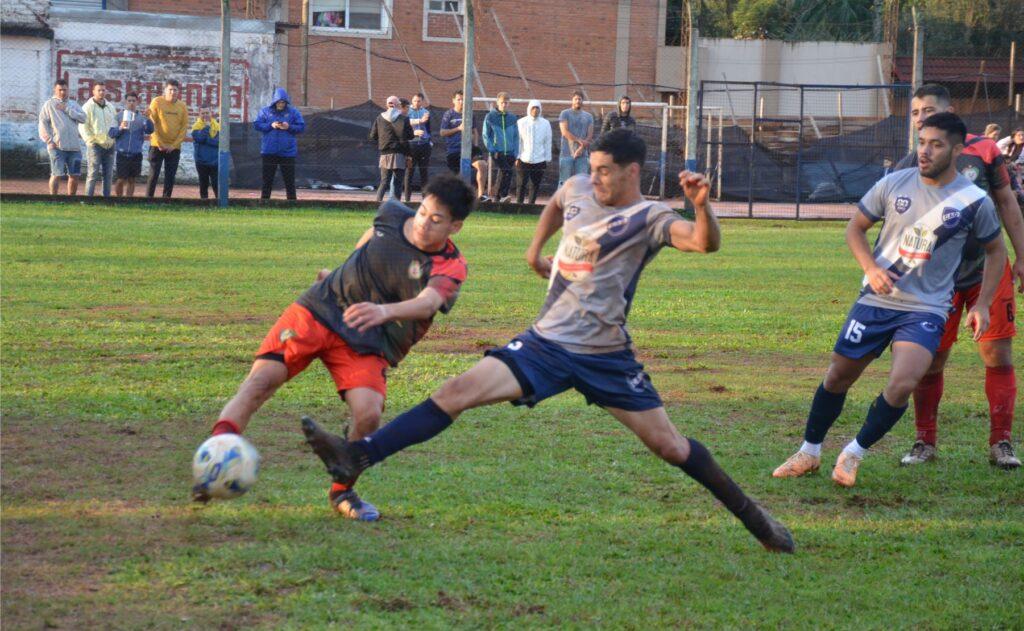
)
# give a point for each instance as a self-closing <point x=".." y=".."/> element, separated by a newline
<point x="695" y="186"/>
<point x="363" y="316"/>
<point x="880" y="280"/>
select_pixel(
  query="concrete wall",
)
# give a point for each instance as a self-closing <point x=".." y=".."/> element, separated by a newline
<point x="134" y="52"/>
<point x="25" y="64"/>
<point x="804" y="62"/>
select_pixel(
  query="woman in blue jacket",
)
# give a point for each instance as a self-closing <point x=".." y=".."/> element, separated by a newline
<point x="279" y="123"/>
<point x="206" y="144"/>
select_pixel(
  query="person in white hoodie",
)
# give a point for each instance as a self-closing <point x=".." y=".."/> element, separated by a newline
<point x="534" y="151"/>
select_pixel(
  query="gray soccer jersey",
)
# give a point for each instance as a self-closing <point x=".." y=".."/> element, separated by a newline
<point x="922" y="240"/>
<point x="597" y="266"/>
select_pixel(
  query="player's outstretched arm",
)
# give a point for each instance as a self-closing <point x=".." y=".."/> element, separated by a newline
<point x="366" y="315"/>
<point x="549" y="223"/>
<point x="995" y="260"/>
<point x="703" y="234"/>
<point x="1013" y="223"/>
<point x="881" y="281"/>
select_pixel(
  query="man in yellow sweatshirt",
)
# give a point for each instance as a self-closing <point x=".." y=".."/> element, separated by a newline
<point x="170" y="124"/>
<point x="100" y="116"/>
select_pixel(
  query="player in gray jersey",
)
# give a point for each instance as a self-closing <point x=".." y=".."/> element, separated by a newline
<point x="929" y="215"/>
<point x="579" y="341"/>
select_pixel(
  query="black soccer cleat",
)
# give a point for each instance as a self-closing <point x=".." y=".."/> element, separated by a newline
<point x="770" y="532"/>
<point x="200" y="494"/>
<point x="343" y="461"/>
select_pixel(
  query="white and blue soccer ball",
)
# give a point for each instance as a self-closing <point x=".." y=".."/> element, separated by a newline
<point x="225" y="466"/>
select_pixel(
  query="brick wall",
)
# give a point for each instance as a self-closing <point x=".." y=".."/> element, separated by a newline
<point x="547" y="36"/>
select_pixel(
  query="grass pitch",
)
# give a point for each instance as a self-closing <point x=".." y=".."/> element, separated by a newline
<point x="125" y="330"/>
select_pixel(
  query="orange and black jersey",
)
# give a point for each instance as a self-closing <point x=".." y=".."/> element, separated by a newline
<point x="983" y="164"/>
<point x="387" y="268"/>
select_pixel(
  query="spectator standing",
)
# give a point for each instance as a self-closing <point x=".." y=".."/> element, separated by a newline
<point x="206" y="146"/>
<point x="501" y="137"/>
<point x="129" y="134"/>
<point x="621" y="118"/>
<point x="279" y="123"/>
<point x="420" y="145"/>
<point x="58" y="128"/>
<point x="451" y="131"/>
<point x="577" y="127"/>
<point x="993" y="131"/>
<point x="1012" y="146"/>
<point x="392" y="132"/>
<point x="170" y="125"/>
<point x="534" y="150"/>
<point x="100" y="116"/>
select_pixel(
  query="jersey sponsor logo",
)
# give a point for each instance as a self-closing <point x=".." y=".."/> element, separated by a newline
<point x="514" y="345"/>
<point x="916" y="245"/>
<point x="415" y="270"/>
<point x="617" y="225"/>
<point x="576" y="257"/>
<point x="572" y="212"/>
<point x="950" y="217"/>
<point x="902" y="204"/>
<point x="287" y="334"/>
<point x="971" y="172"/>
<point x="931" y="327"/>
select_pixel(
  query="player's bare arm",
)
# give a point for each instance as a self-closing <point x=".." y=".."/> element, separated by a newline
<point x="1013" y="223"/>
<point x="881" y="280"/>
<point x="703" y="234"/>
<point x="568" y="135"/>
<point x="366" y="315"/>
<point x="995" y="260"/>
<point x="550" y="222"/>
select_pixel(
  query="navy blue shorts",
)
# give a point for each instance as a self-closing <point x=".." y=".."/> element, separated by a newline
<point x="544" y="369"/>
<point x="871" y="329"/>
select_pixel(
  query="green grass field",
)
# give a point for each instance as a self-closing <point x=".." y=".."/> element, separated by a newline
<point x="125" y="330"/>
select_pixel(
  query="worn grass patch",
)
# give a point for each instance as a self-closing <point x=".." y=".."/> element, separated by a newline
<point x="125" y="330"/>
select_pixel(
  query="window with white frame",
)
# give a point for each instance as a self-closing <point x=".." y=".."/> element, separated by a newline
<point x="348" y="15"/>
<point x="444" y="6"/>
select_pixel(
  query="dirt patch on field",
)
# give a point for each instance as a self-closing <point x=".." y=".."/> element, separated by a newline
<point x="464" y="340"/>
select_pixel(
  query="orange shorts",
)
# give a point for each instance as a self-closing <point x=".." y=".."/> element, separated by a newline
<point x="297" y="338"/>
<point x="1001" y="315"/>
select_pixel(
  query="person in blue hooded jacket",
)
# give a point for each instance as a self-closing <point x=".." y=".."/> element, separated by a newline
<point x="279" y="123"/>
<point x="206" y="144"/>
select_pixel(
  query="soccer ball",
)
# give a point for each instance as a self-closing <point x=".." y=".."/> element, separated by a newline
<point x="225" y="466"/>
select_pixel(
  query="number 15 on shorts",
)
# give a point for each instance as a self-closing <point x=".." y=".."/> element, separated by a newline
<point x="854" y="332"/>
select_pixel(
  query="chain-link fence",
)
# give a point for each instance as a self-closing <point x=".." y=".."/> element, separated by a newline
<point x="802" y="150"/>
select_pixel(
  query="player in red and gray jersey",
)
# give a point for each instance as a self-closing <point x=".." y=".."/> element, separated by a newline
<point x="364" y="316"/>
<point x="982" y="163"/>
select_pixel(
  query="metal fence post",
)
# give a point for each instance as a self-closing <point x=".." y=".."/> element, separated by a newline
<point x="799" y="152"/>
<point x="664" y="152"/>
<point x="750" y="158"/>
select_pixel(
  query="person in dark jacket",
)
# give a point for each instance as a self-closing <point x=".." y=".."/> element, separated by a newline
<point x="206" y="144"/>
<point x="620" y="119"/>
<point x="129" y="135"/>
<point x="280" y="123"/>
<point x="392" y="133"/>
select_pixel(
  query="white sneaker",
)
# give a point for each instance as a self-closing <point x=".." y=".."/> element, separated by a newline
<point x="920" y="453"/>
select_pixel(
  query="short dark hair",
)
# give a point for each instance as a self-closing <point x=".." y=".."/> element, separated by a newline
<point x="453" y="193"/>
<point x="933" y="89"/>
<point x="97" y="82"/>
<point x="624" y="146"/>
<point x="420" y="94"/>
<point x="578" y="93"/>
<point x="131" y="94"/>
<point x="63" y="82"/>
<point x="403" y="102"/>
<point x="950" y="123"/>
<point x="173" y="82"/>
<point x="456" y="93"/>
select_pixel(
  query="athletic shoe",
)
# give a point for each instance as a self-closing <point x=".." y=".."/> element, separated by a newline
<point x="920" y="453"/>
<point x="485" y="198"/>
<point x="200" y="494"/>
<point x="506" y="199"/>
<point x="845" y="471"/>
<point x="343" y="461"/>
<point x="800" y="463"/>
<point x="349" y="504"/>
<point x="769" y="531"/>
<point x="1001" y="455"/>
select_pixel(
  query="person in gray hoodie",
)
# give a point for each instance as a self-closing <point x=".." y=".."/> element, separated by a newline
<point x="58" y="128"/>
